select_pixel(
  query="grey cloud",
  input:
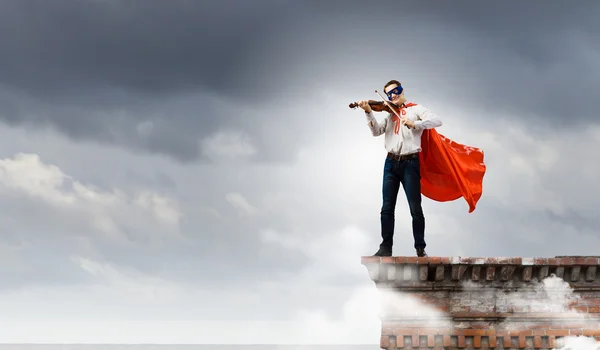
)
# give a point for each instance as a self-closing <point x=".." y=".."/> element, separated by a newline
<point x="158" y="78"/>
<point x="96" y="70"/>
<point x="532" y="59"/>
<point x="150" y="47"/>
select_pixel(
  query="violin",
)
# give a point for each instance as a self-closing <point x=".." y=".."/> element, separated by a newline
<point x="379" y="106"/>
<point x="382" y="106"/>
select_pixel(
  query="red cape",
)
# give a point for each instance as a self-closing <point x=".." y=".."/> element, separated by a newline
<point x="450" y="170"/>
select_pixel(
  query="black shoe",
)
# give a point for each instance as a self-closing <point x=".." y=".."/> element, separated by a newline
<point x="384" y="251"/>
<point x="421" y="252"/>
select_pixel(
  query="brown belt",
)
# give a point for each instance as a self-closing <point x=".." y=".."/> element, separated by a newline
<point x="402" y="157"/>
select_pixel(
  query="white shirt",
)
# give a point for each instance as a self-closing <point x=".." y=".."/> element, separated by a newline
<point x="404" y="140"/>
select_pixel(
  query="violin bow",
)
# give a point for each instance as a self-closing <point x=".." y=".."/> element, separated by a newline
<point x="391" y="108"/>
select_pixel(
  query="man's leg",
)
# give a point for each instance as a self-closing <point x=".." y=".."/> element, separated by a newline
<point x="412" y="188"/>
<point x="389" y="191"/>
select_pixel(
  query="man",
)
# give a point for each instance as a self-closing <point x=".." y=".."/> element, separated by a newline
<point x="402" y="165"/>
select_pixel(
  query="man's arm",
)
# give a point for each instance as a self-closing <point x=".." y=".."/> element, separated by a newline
<point x="427" y="119"/>
<point x="376" y="127"/>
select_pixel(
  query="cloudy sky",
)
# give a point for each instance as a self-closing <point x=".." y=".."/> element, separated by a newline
<point x="189" y="171"/>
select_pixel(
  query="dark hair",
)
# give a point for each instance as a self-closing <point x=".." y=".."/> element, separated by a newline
<point x="391" y="82"/>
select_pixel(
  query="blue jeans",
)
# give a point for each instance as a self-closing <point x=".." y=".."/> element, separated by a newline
<point x="405" y="172"/>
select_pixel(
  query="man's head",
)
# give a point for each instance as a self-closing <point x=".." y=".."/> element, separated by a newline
<point x="394" y="91"/>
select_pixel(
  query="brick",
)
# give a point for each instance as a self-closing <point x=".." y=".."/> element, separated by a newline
<point x="446" y="340"/>
<point x="591" y="332"/>
<point x="575" y="271"/>
<point x="411" y="260"/>
<point x="400" y="341"/>
<point x="516" y="261"/>
<point x="496" y="260"/>
<point x="507" y="342"/>
<point x="446" y="261"/>
<point x="590" y="273"/>
<point x="475" y="332"/>
<point x="400" y="260"/>
<point x="387" y="260"/>
<point x="443" y="308"/>
<point x="592" y="261"/>
<point x="370" y="260"/>
<point x="435" y="260"/>
<point x="431" y="340"/>
<point x="468" y="261"/>
<point x="506" y="272"/>
<point x="551" y="342"/>
<point x="423" y="272"/>
<point x="490" y="273"/>
<point x="567" y="261"/>
<point x="527" y="272"/>
<point x="522" y="342"/>
<point x="424" y="260"/>
<point x="461" y="341"/>
<point x="493" y="342"/>
<point x="384" y="342"/>
<point x="521" y="333"/>
<point x="537" y="342"/>
<point x="427" y="331"/>
<point x="558" y="332"/>
<point x="540" y="261"/>
<point x="439" y="273"/>
<point x="477" y="341"/>
<point x="553" y="261"/>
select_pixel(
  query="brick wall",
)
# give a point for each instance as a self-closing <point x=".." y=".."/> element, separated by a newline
<point x="486" y="303"/>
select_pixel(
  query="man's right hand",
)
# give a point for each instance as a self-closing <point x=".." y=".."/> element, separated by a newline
<point x="365" y="105"/>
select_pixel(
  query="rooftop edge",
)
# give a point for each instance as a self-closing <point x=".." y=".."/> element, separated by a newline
<point x="459" y="260"/>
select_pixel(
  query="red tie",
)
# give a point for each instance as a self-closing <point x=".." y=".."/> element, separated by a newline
<point x="395" y="118"/>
